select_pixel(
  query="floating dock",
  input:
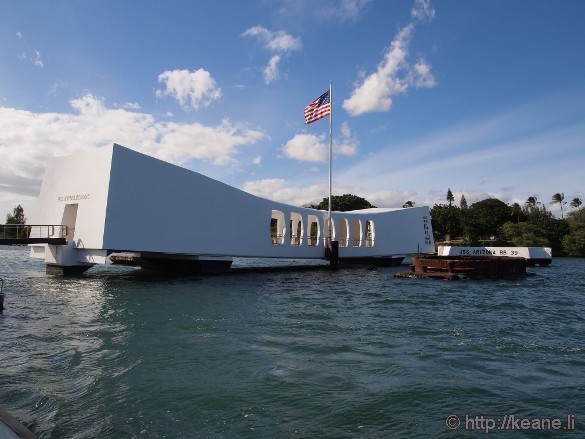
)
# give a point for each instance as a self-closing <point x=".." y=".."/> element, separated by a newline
<point x="466" y="267"/>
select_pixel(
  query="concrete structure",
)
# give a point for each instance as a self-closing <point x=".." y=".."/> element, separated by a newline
<point x="118" y="200"/>
<point x="534" y="255"/>
<point x="466" y="267"/>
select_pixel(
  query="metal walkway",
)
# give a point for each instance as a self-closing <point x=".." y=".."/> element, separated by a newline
<point x="11" y="234"/>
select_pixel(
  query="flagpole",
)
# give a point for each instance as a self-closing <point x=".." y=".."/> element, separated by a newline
<point x="330" y="156"/>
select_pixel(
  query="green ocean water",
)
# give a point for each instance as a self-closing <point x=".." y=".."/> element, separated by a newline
<point x="119" y="353"/>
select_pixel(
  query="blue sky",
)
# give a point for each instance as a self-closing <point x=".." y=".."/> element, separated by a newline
<point x="486" y="98"/>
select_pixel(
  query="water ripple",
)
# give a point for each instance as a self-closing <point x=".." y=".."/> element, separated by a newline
<point x="354" y="353"/>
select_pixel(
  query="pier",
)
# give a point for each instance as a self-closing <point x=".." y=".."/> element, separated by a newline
<point x="466" y="267"/>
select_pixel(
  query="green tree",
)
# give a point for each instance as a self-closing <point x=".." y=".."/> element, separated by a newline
<point x="559" y="198"/>
<point x="450" y="197"/>
<point x="554" y="230"/>
<point x="524" y="234"/>
<point x="16" y="217"/>
<point x="574" y="240"/>
<point x="446" y="220"/>
<point x="343" y="203"/>
<point x="463" y="202"/>
<point x="538" y="215"/>
<point x="549" y="227"/>
<point x="517" y="212"/>
<point x="576" y="202"/>
<point x="409" y="204"/>
<point x="484" y="219"/>
<point x="532" y="203"/>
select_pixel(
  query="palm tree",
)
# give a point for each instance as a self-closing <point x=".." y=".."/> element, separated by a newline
<point x="532" y="202"/>
<point x="559" y="198"/>
<point x="576" y="202"/>
<point x="409" y="204"/>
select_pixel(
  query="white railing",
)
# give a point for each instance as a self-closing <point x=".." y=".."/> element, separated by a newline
<point x="27" y="231"/>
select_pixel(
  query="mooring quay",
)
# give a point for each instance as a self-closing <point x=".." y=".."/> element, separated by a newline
<point x="466" y="267"/>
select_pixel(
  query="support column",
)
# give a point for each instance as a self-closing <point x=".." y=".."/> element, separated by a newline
<point x="185" y="264"/>
<point x="65" y="260"/>
<point x="332" y="253"/>
<point x="66" y="270"/>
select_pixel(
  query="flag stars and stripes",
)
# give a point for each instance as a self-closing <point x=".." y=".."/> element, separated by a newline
<point x="318" y="109"/>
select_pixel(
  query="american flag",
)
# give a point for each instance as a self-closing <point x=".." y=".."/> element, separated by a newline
<point x="318" y="109"/>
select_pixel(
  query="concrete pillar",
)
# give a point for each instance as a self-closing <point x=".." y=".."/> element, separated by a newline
<point x="67" y="270"/>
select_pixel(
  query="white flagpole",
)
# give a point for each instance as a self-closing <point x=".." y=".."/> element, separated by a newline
<point x="330" y="156"/>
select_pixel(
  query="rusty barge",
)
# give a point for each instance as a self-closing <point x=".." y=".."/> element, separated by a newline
<point x="465" y="267"/>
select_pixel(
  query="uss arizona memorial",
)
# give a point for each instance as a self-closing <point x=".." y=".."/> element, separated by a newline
<point x="118" y="200"/>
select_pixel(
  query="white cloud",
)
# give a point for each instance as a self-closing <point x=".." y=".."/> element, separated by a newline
<point x="182" y="142"/>
<point x="422" y="75"/>
<point x="422" y="10"/>
<point x="38" y="61"/>
<point x="56" y="87"/>
<point x="34" y="56"/>
<point x="131" y="105"/>
<point x="306" y="148"/>
<point x="389" y="199"/>
<point x="257" y="160"/>
<point x="278" y="189"/>
<point x="394" y="74"/>
<point x="192" y="89"/>
<point x="324" y="10"/>
<point x="279" y="43"/>
<point x="348" y="144"/>
<point x="28" y="139"/>
<point x="505" y="157"/>
<point x="349" y="9"/>
<point x="284" y="191"/>
<point x="311" y="148"/>
<point x="271" y="72"/>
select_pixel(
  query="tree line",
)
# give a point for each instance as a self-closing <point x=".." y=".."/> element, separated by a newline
<point x="14" y="218"/>
<point x="493" y="222"/>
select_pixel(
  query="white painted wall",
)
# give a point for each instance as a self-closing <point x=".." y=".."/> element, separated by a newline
<point x="158" y="207"/>
<point x="80" y="179"/>
<point x="522" y="252"/>
<point x="128" y="201"/>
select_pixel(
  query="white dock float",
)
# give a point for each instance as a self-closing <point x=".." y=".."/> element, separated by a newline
<point x="534" y="255"/>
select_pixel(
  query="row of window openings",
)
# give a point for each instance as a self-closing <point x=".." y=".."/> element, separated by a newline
<point x="347" y="236"/>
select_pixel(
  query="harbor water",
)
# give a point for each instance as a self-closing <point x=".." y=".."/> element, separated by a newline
<point x="123" y="353"/>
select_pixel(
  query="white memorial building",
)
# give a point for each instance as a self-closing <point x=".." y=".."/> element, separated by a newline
<point x="116" y="200"/>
